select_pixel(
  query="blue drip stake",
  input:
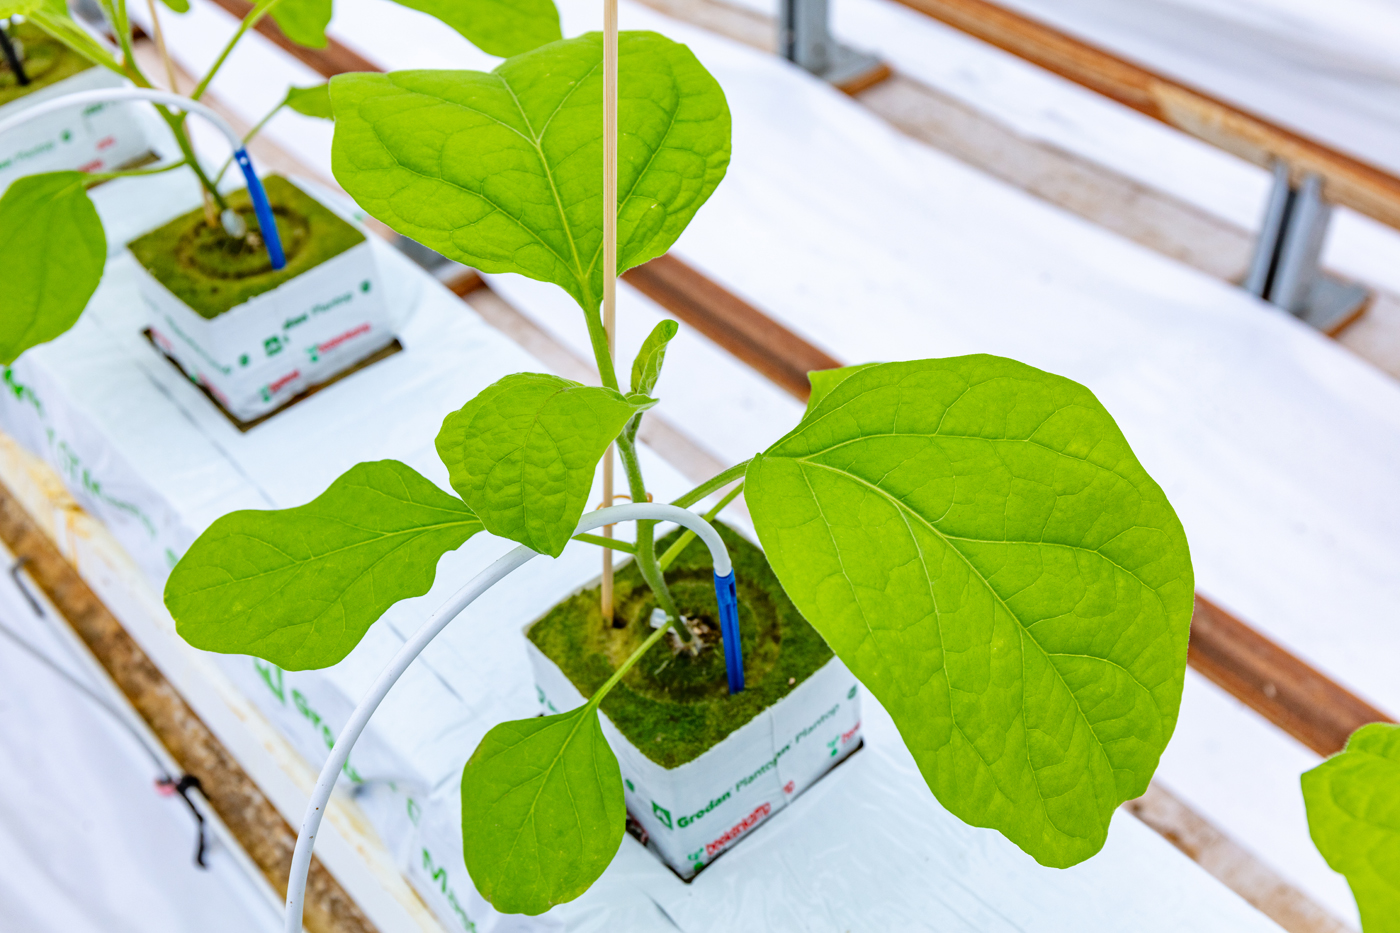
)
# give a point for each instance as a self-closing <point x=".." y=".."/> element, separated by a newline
<point x="728" y="601"/>
<point x="266" y="223"/>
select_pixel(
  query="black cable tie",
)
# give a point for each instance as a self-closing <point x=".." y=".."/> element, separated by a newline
<point x="12" y="57"/>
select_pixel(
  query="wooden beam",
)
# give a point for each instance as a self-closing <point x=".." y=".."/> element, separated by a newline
<point x="1347" y="180"/>
<point x="730" y="321"/>
<point x="248" y="814"/>
<point x="1300" y="700"/>
<point x="328" y="62"/>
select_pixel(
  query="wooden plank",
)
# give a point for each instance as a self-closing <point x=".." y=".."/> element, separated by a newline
<point x="253" y="820"/>
<point x="731" y="322"/>
<point x="332" y="60"/>
<point x="1299" y="699"/>
<point x="1347" y="180"/>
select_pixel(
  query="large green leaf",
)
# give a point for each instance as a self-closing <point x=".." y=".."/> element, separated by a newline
<point x="54" y="250"/>
<point x="497" y="27"/>
<point x="1353" y="802"/>
<point x="300" y="587"/>
<point x="312" y="101"/>
<point x="522" y="453"/>
<point x="304" y="21"/>
<point x="542" y="810"/>
<point x="977" y="542"/>
<point x="504" y="171"/>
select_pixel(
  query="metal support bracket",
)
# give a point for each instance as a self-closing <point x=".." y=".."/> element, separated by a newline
<point x="805" y="39"/>
<point x="1286" y="270"/>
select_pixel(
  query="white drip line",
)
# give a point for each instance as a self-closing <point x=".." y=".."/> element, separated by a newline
<point x="340" y="752"/>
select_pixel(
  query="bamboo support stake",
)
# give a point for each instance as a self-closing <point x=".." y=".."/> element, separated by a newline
<point x="609" y="258"/>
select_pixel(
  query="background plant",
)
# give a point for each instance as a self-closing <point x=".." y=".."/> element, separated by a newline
<point x="1353" y="802"/>
<point x="50" y="235"/>
<point x="972" y="536"/>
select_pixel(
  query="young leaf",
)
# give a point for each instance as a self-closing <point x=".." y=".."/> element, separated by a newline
<point x="824" y="380"/>
<point x="503" y="171"/>
<point x="54" y="249"/>
<point x="1353" y="802"/>
<point x="497" y="27"/>
<point x="977" y="542"/>
<point x="304" y="21"/>
<point x="646" y="368"/>
<point x="179" y="6"/>
<point x="300" y="587"/>
<point x="542" y="810"/>
<point x="522" y="453"/>
<point x="311" y="101"/>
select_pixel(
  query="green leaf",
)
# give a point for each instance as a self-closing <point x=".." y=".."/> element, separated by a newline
<point x="824" y="380"/>
<point x="522" y="453"/>
<point x="311" y="101"/>
<point x="503" y="171"/>
<point x="304" y="21"/>
<point x="300" y="587"/>
<point x="179" y="6"/>
<point x="542" y="810"/>
<point x="54" y="250"/>
<point x="646" y="368"/>
<point x="10" y="8"/>
<point x="1353" y="802"/>
<point x="497" y="27"/>
<point x="976" y="541"/>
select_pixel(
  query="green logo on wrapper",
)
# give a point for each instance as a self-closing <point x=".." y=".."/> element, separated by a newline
<point x="662" y="814"/>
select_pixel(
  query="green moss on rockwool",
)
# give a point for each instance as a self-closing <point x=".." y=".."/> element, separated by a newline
<point x="212" y="272"/>
<point x="46" y="61"/>
<point x="672" y="706"/>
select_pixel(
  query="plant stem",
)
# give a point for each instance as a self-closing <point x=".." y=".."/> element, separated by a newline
<point x="95" y="178"/>
<point x="675" y="549"/>
<point x="610" y="543"/>
<point x="718" y="481"/>
<point x="636" y="656"/>
<point x="249" y="21"/>
<point x="177" y="126"/>
<point x="248" y="137"/>
<point x="646" y="538"/>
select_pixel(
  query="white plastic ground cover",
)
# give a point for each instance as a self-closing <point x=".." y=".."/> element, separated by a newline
<point x="88" y="844"/>
<point x="96" y="138"/>
<point x="866" y="848"/>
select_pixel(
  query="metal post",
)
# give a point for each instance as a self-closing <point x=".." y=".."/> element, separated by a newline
<point x="805" y="39"/>
<point x="1286" y="267"/>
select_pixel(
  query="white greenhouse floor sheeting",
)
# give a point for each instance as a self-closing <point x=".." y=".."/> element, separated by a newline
<point x="88" y="844"/>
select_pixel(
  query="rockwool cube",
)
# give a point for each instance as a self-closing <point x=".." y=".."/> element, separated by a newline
<point x="88" y="138"/>
<point x="694" y="812"/>
<point x="259" y="354"/>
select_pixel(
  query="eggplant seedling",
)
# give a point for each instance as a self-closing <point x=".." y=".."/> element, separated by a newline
<point x="50" y="234"/>
<point x="973" y="537"/>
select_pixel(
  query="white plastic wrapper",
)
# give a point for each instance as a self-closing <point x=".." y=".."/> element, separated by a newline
<point x="256" y="356"/>
<point x="91" y="138"/>
<point x="694" y="813"/>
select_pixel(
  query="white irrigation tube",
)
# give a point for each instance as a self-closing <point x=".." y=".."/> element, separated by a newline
<point x="340" y="752"/>
<point x="266" y="223"/>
